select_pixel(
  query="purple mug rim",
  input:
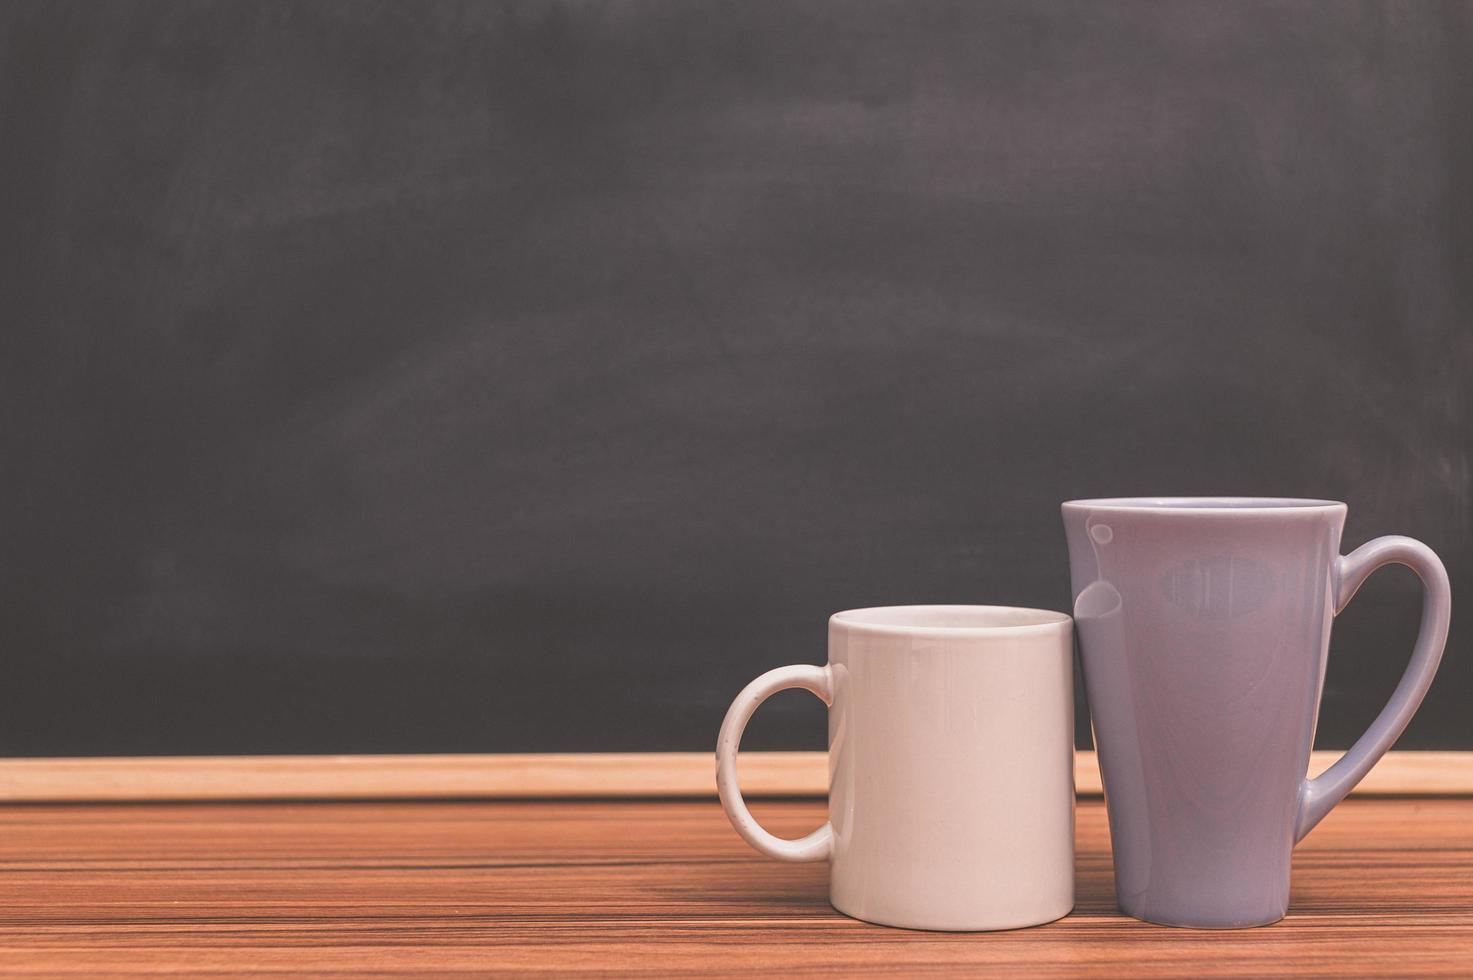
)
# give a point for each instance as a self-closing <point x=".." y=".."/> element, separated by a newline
<point x="1205" y="505"/>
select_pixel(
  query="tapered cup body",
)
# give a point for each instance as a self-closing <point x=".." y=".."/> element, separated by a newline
<point x="1203" y="628"/>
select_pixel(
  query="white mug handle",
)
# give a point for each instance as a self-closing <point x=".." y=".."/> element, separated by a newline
<point x="818" y="845"/>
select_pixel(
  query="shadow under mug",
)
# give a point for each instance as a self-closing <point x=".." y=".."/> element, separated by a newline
<point x="951" y="766"/>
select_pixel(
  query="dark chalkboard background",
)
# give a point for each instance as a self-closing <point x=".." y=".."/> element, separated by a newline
<point x="528" y="376"/>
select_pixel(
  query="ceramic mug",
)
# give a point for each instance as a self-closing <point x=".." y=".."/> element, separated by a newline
<point x="951" y="766"/>
<point x="1204" y="625"/>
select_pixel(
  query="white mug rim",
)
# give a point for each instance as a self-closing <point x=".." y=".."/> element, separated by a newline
<point x="942" y="620"/>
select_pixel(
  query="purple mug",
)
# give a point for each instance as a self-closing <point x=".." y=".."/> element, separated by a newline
<point x="1203" y="627"/>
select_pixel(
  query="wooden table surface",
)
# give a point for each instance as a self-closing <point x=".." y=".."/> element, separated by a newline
<point x="641" y="888"/>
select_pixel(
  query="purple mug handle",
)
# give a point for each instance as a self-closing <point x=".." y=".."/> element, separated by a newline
<point x="1317" y="796"/>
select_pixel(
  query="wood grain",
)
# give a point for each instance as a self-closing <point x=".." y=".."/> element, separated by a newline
<point x="642" y="888"/>
<point x="612" y="775"/>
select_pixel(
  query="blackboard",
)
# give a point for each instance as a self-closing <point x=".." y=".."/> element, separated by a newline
<point x="527" y="376"/>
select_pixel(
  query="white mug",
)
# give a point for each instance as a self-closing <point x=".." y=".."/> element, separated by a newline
<point x="951" y="766"/>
